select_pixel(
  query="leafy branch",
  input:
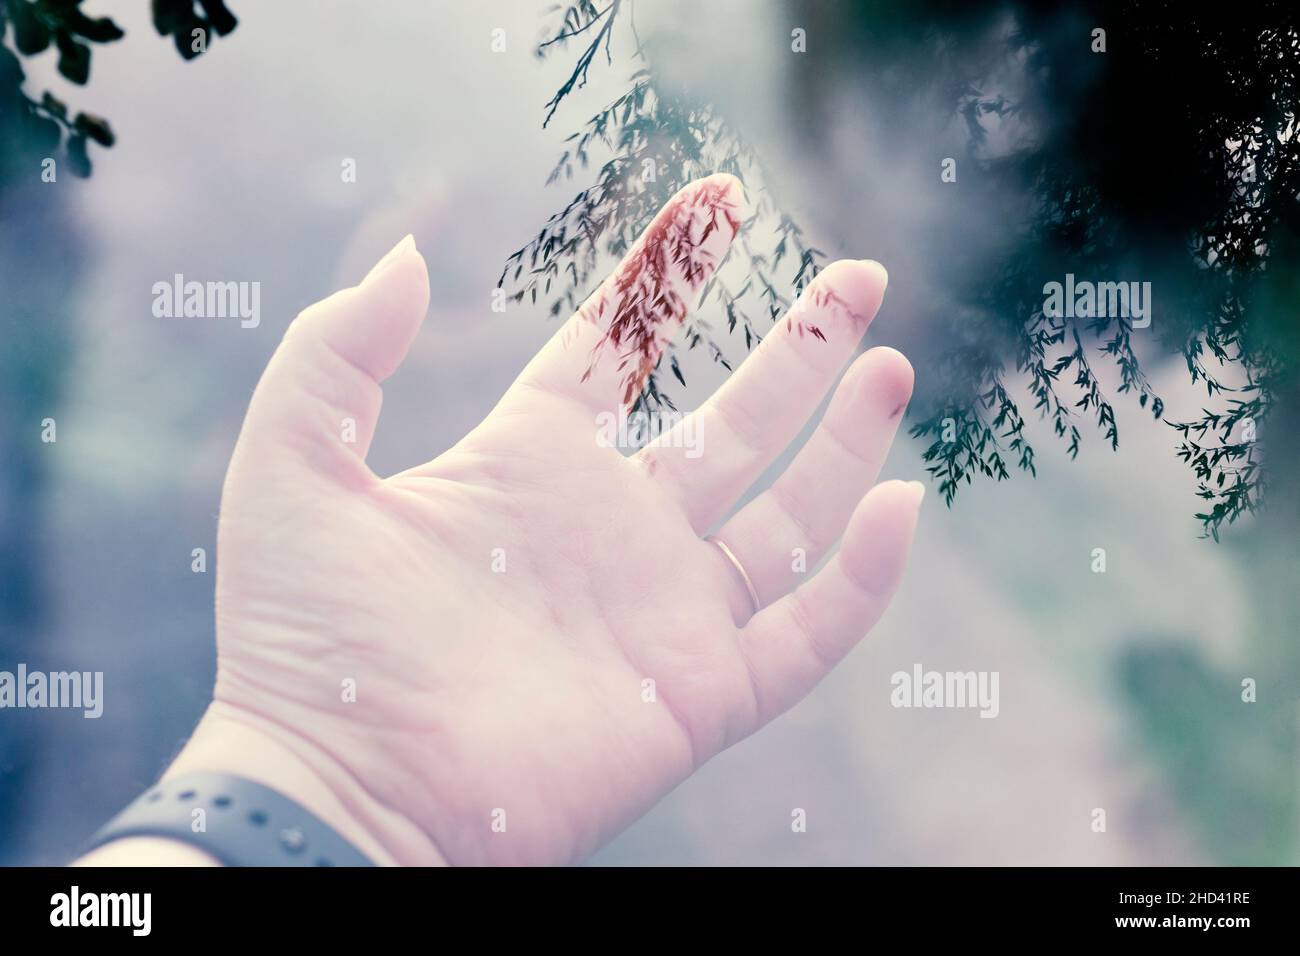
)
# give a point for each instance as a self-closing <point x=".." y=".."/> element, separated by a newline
<point x="646" y="145"/>
<point x="35" y="25"/>
<point x="639" y="149"/>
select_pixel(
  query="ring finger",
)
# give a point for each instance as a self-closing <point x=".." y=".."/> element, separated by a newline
<point x="785" y="531"/>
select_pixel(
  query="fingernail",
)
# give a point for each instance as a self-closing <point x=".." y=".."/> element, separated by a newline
<point x="884" y="273"/>
<point x="736" y="186"/>
<point x="918" y="488"/>
<point x="390" y="257"/>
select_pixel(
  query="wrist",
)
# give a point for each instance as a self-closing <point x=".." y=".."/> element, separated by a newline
<point x="232" y="741"/>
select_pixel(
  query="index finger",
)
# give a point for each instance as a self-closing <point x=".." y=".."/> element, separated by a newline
<point x="601" y="357"/>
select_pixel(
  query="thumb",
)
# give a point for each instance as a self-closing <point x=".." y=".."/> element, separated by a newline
<point x="319" y="398"/>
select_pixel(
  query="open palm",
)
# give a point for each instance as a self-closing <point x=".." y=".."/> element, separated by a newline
<point x="516" y="649"/>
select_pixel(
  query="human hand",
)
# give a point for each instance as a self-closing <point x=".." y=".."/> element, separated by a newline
<point x="499" y="609"/>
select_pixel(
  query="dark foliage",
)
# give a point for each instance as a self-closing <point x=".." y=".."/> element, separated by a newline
<point x="1170" y="157"/>
<point x="43" y="126"/>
